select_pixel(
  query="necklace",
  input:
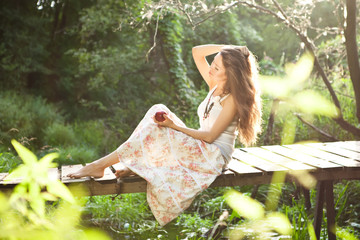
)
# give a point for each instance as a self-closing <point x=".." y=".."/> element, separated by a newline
<point x="208" y="108"/>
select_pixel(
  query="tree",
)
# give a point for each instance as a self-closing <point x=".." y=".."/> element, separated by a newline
<point x="300" y="23"/>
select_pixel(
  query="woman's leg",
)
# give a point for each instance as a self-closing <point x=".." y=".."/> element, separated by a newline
<point x="96" y="169"/>
<point x="131" y="150"/>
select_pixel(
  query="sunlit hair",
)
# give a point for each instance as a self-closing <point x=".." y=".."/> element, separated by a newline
<point x="242" y="72"/>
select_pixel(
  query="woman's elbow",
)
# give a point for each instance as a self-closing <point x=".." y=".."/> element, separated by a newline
<point x="209" y="139"/>
<point x="195" y="50"/>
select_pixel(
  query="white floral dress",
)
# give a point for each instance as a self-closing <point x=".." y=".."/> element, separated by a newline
<point x="176" y="166"/>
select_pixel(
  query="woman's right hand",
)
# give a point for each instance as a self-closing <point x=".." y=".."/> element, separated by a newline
<point x="166" y="123"/>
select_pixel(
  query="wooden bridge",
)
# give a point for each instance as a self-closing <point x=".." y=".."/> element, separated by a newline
<point x="323" y="162"/>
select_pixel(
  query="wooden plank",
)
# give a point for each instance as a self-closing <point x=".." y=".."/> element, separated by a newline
<point x="241" y="180"/>
<point x="2" y="176"/>
<point x="336" y="150"/>
<point x="278" y="159"/>
<point x="53" y="174"/>
<point x="350" y="145"/>
<point x="346" y="162"/>
<point x="301" y="157"/>
<point x="241" y="168"/>
<point x="257" y="162"/>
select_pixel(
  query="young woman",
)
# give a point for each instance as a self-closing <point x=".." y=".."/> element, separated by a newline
<point x="179" y="162"/>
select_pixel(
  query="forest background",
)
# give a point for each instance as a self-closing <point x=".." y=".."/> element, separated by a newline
<point x="77" y="76"/>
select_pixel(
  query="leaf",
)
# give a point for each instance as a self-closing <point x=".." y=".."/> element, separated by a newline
<point x="59" y="189"/>
<point x="49" y="197"/>
<point x="279" y="222"/>
<point x="276" y="87"/>
<point x="93" y="234"/>
<point x="312" y="102"/>
<point x="245" y="206"/>
<point x="25" y="154"/>
<point x="20" y="171"/>
<point x="299" y="72"/>
<point x="38" y="205"/>
<point x="47" y="159"/>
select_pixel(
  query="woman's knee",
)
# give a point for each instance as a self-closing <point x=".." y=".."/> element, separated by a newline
<point x="158" y="107"/>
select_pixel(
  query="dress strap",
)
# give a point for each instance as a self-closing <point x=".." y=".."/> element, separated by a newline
<point x="223" y="98"/>
<point x="213" y="90"/>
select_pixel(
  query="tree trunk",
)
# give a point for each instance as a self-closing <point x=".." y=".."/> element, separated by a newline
<point x="352" y="51"/>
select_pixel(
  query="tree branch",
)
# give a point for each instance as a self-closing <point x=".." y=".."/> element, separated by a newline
<point x="311" y="47"/>
<point x="155" y="34"/>
<point x="352" y="51"/>
<point x="330" y="137"/>
<point x="269" y="129"/>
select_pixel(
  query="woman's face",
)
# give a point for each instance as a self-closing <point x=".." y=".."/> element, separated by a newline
<point x="217" y="70"/>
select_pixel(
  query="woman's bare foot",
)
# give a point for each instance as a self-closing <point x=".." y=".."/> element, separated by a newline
<point x="125" y="172"/>
<point x="91" y="170"/>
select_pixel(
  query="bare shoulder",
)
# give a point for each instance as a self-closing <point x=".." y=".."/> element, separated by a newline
<point x="229" y="101"/>
<point x="229" y="106"/>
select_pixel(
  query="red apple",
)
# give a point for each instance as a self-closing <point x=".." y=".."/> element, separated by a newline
<point x="159" y="116"/>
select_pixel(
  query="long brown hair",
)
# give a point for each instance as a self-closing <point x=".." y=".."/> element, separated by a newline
<point x="242" y="72"/>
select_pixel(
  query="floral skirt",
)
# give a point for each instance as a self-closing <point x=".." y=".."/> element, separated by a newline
<point x="176" y="166"/>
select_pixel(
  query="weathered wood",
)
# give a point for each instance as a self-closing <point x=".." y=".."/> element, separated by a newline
<point x="336" y="149"/>
<point x="278" y="159"/>
<point x="53" y="174"/>
<point x="299" y="156"/>
<point x="242" y="168"/>
<point x="346" y="162"/>
<point x="2" y="176"/>
<point x="330" y="210"/>
<point x="350" y="145"/>
<point x="306" y="193"/>
<point x="257" y="162"/>
<point x="320" y="189"/>
<point x="335" y="175"/>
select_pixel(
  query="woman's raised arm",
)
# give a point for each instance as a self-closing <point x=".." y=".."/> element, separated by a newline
<point x="199" y="53"/>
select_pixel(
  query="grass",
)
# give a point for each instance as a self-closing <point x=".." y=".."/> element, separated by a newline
<point x="129" y="217"/>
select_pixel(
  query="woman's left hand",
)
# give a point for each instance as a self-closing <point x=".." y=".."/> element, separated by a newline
<point x="166" y="123"/>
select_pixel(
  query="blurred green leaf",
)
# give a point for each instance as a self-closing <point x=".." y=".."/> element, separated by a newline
<point x="26" y="155"/>
<point x="245" y="206"/>
<point x="300" y="71"/>
<point x="344" y="234"/>
<point x="20" y="171"/>
<point x="59" y="189"/>
<point x="279" y="222"/>
<point x="93" y="234"/>
<point x="47" y="159"/>
<point x="312" y="102"/>
<point x="311" y="231"/>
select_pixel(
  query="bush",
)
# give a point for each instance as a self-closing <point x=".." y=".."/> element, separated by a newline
<point x="59" y="135"/>
<point x="76" y="155"/>
<point x="95" y="135"/>
<point x="8" y="161"/>
<point x="25" y="116"/>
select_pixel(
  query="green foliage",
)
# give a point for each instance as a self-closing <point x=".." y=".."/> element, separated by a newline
<point x="59" y="135"/>
<point x="95" y="135"/>
<point x="193" y="225"/>
<point x="128" y="215"/>
<point x="23" y="115"/>
<point x="23" y="43"/>
<point x="25" y="214"/>
<point x="171" y="30"/>
<point x="8" y="161"/>
<point x="76" y="154"/>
